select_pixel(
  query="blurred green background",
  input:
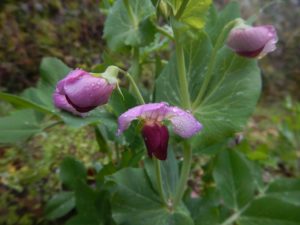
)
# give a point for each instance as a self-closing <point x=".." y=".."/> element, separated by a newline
<point x="72" y="31"/>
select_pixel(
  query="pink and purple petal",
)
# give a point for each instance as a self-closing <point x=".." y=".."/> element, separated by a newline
<point x="61" y="102"/>
<point x="183" y="122"/>
<point x="151" y="112"/>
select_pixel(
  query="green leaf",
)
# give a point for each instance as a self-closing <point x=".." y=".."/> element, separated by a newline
<point x="216" y="21"/>
<point x="285" y="189"/>
<point x="93" y="204"/>
<point x="71" y="172"/>
<point x="169" y="172"/>
<point x="20" y="102"/>
<point x="121" y="30"/>
<point x="234" y="180"/>
<point x="96" y="116"/>
<point x="52" y="70"/>
<point x="204" y="211"/>
<point x="59" y="205"/>
<point x="270" y="211"/>
<point x="83" y="219"/>
<point x="86" y="199"/>
<point x="230" y="97"/>
<point x="195" y="13"/>
<point x="18" y="127"/>
<point x="135" y="203"/>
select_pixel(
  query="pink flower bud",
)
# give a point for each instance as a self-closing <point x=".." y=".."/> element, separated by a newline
<point x="252" y="42"/>
<point x="80" y="92"/>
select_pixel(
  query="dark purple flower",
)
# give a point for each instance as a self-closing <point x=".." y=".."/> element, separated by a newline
<point x="80" y="92"/>
<point x="154" y="132"/>
<point x="253" y="42"/>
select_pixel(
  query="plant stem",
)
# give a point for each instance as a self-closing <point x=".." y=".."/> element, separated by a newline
<point x="183" y="84"/>
<point x="186" y="166"/>
<point x="164" y="32"/>
<point x="212" y="62"/>
<point x="159" y="181"/>
<point x="181" y="9"/>
<point x="135" y="88"/>
<point x="102" y="144"/>
<point x="53" y="124"/>
<point x="135" y="67"/>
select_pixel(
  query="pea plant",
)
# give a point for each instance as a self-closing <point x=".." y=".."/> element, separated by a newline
<point x="203" y="85"/>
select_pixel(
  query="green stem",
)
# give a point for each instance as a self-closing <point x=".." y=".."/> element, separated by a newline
<point x="183" y="84"/>
<point x="164" y="32"/>
<point x="53" y="124"/>
<point x="102" y="144"/>
<point x="212" y="62"/>
<point x="135" y="89"/>
<point x="135" y="67"/>
<point x="186" y="166"/>
<point x="181" y="9"/>
<point x="134" y="86"/>
<point x="159" y="181"/>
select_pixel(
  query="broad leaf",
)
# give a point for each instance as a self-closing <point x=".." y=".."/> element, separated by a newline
<point x="285" y="189"/>
<point x="234" y="179"/>
<point x="24" y="103"/>
<point x="135" y="202"/>
<point x="83" y="219"/>
<point x="92" y="205"/>
<point x="195" y="11"/>
<point x="204" y="210"/>
<point x="72" y="172"/>
<point x="59" y="205"/>
<point x="121" y="30"/>
<point x="19" y="126"/>
<point x="270" y="211"/>
<point x="216" y="21"/>
<point x="52" y="70"/>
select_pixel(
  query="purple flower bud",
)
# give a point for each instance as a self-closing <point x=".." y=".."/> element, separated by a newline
<point x="80" y="92"/>
<point x="156" y="137"/>
<point x="154" y="132"/>
<point x="253" y="42"/>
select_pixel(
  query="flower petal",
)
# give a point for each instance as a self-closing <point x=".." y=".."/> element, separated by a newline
<point x="184" y="123"/>
<point x="151" y="111"/>
<point x="61" y="102"/>
<point x="156" y="139"/>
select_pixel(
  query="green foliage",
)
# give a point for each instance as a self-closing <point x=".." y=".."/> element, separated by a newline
<point x="270" y="211"/>
<point x="134" y="202"/>
<point x="272" y="204"/>
<point x="231" y="175"/>
<point x="59" y="205"/>
<point x="72" y="172"/>
<point x="195" y="11"/>
<point x="129" y="24"/>
<point x="231" y="94"/>
<point x="19" y="126"/>
<point x="223" y="89"/>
